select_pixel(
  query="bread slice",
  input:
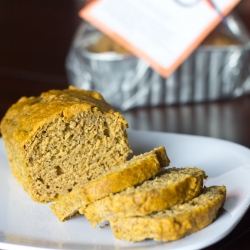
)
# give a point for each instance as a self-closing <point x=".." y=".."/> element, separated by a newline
<point x="175" y="222"/>
<point x="63" y="139"/>
<point x="133" y="172"/>
<point x="173" y="186"/>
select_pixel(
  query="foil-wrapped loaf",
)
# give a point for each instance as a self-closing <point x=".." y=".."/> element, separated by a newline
<point x="212" y="72"/>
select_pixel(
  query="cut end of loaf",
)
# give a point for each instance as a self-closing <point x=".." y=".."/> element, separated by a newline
<point x="62" y="139"/>
<point x="68" y="153"/>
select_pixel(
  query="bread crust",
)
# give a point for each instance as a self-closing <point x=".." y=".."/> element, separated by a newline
<point x="25" y="117"/>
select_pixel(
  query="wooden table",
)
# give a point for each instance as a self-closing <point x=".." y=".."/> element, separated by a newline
<point x="35" y="38"/>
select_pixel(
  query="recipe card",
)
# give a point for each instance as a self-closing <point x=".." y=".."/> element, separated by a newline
<point x="161" y="32"/>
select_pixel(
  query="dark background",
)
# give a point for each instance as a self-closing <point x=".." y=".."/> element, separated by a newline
<point x="35" y="37"/>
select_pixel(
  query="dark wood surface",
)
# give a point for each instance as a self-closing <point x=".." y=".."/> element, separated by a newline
<point x="34" y="42"/>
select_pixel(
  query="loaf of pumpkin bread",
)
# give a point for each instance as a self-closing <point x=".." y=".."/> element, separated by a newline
<point x="175" y="222"/>
<point x="134" y="172"/>
<point x="172" y="186"/>
<point x="63" y="139"/>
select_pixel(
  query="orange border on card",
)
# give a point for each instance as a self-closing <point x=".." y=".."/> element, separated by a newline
<point x="165" y="72"/>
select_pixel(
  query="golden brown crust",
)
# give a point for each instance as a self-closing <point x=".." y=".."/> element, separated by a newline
<point x="173" y="186"/>
<point x="174" y="223"/>
<point x="133" y="172"/>
<point x="33" y="112"/>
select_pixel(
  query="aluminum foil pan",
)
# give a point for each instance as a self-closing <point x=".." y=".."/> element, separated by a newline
<point x="210" y="73"/>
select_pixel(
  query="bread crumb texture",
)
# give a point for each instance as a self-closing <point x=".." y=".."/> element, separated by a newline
<point x="175" y="222"/>
<point x="62" y="140"/>
<point x="173" y="186"/>
<point x="133" y="172"/>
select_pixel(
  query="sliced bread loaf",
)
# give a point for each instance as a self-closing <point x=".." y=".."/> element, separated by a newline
<point x="173" y="186"/>
<point x="175" y="222"/>
<point x="61" y="140"/>
<point x="133" y="172"/>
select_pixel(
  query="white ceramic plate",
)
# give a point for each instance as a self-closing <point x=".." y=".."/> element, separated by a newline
<point x="25" y="224"/>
